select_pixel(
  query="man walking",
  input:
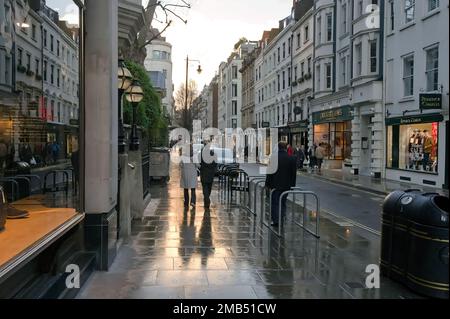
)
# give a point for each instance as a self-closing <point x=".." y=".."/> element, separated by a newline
<point x="208" y="170"/>
<point x="283" y="180"/>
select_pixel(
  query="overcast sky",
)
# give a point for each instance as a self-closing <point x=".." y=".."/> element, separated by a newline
<point x="213" y="27"/>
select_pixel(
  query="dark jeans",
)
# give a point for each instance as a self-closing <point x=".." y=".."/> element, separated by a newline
<point x="276" y="205"/>
<point x="186" y="197"/>
<point x="207" y="188"/>
<point x="426" y="160"/>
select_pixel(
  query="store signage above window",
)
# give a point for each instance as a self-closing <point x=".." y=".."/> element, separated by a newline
<point x="418" y="119"/>
<point x="298" y="127"/>
<point x="430" y="101"/>
<point x="74" y="122"/>
<point x="265" y="124"/>
<point x="340" y="114"/>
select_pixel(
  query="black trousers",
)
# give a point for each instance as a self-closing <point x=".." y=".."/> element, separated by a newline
<point x="186" y="197"/>
<point x="207" y="188"/>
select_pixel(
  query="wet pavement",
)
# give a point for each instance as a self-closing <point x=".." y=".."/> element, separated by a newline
<point x="228" y="254"/>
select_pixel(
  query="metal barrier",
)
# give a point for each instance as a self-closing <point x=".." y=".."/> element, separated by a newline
<point x="37" y="177"/>
<point x="305" y="194"/>
<point x="55" y="188"/>
<point x="14" y="187"/>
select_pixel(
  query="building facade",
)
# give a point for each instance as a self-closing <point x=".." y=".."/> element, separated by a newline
<point x="347" y="112"/>
<point x="248" y="90"/>
<point x="416" y="91"/>
<point x="158" y="64"/>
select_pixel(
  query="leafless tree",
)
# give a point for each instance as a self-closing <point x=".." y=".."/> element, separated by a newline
<point x="181" y="118"/>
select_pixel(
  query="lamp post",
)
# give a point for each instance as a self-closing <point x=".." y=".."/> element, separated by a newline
<point x="186" y="109"/>
<point x="134" y="95"/>
<point x="125" y="79"/>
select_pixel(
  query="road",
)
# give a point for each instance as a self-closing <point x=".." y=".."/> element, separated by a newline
<point x="361" y="207"/>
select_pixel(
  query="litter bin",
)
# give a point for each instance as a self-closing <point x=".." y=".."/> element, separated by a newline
<point x="427" y="271"/>
<point x="20" y="168"/>
<point x="160" y="164"/>
<point x="395" y="237"/>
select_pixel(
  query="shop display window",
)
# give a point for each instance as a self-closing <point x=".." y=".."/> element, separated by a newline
<point x="413" y="147"/>
<point x="335" y="138"/>
<point x="39" y="147"/>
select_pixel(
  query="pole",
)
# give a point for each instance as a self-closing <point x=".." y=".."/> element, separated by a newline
<point x="122" y="144"/>
<point x="186" y="124"/>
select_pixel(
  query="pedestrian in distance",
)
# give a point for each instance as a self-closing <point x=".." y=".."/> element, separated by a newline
<point x="300" y="156"/>
<point x="281" y="181"/>
<point x="290" y="150"/>
<point x="312" y="157"/>
<point x="320" y="155"/>
<point x="189" y="177"/>
<point x="208" y="169"/>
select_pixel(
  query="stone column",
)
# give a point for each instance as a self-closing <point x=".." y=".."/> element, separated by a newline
<point x="101" y="128"/>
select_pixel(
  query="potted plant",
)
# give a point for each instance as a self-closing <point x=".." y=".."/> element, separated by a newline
<point x="30" y="73"/>
<point x="308" y="76"/>
<point x="21" y="69"/>
<point x="301" y="80"/>
<point x="294" y="83"/>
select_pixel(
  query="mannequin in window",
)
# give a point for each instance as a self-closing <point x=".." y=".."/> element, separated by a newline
<point x="427" y="149"/>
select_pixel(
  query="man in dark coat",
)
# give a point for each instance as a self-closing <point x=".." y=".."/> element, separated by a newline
<point x="283" y="180"/>
<point x="208" y="170"/>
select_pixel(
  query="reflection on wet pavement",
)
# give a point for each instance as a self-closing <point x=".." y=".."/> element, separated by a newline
<point x="227" y="254"/>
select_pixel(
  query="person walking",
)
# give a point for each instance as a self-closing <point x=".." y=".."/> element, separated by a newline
<point x="281" y="181"/>
<point x="312" y="157"/>
<point x="320" y="155"/>
<point x="208" y="169"/>
<point x="189" y="177"/>
<point x="55" y="151"/>
<point x="290" y="150"/>
<point x="300" y="156"/>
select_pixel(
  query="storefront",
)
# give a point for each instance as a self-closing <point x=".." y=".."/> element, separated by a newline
<point x="333" y="130"/>
<point x="299" y="134"/>
<point x="415" y="149"/>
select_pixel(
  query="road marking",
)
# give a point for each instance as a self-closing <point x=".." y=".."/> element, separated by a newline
<point x="351" y="221"/>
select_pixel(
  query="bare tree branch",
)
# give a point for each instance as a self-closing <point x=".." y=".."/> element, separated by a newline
<point x="156" y="36"/>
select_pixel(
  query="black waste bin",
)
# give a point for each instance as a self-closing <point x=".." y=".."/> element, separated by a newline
<point x="19" y="168"/>
<point x="395" y="237"/>
<point x="427" y="271"/>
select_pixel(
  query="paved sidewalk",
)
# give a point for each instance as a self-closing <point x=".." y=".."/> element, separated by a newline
<point x="228" y="254"/>
<point x="367" y="183"/>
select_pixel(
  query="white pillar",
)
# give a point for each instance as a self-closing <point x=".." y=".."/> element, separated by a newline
<point x="101" y="117"/>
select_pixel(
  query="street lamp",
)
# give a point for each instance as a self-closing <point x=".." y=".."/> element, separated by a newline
<point x="134" y="95"/>
<point x="125" y="79"/>
<point x="199" y="71"/>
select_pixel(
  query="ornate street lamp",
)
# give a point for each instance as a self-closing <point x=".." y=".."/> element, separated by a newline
<point x="125" y="79"/>
<point x="186" y="110"/>
<point x="134" y="95"/>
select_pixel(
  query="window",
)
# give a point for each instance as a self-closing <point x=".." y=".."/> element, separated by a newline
<point x="318" y="75"/>
<point x="284" y="50"/>
<point x="373" y="56"/>
<point x="302" y="69"/>
<point x="279" y="50"/>
<point x="234" y="90"/>
<point x="295" y="74"/>
<point x="58" y="75"/>
<point x="57" y="47"/>
<point x="433" y="4"/>
<point x="20" y="57"/>
<point x="392" y="15"/>
<point x="343" y="71"/>
<point x="51" y="43"/>
<point x="329" y="27"/>
<point x="358" y="59"/>
<point x="413" y="147"/>
<point x="279" y="84"/>
<point x="234" y="123"/>
<point x="309" y="65"/>
<point x="289" y="46"/>
<point x="45" y="70"/>
<point x="45" y="37"/>
<point x="328" y="75"/>
<point x="432" y="69"/>
<point x="28" y="62"/>
<point x="235" y="72"/>
<point x="298" y="40"/>
<point x="306" y="34"/>
<point x="409" y="10"/>
<point x="344" y="18"/>
<point x="408" y="75"/>
<point x="289" y="77"/>
<point x="33" y="32"/>
<point x="234" y="108"/>
<point x="284" y="80"/>
<point x="360" y="8"/>
<point x="52" y="74"/>
<point x="37" y="63"/>
<point x="319" y="30"/>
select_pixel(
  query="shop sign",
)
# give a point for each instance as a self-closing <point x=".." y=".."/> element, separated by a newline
<point x="340" y="114"/>
<point x="427" y="118"/>
<point x="74" y="122"/>
<point x="301" y="126"/>
<point x="265" y="124"/>
<point x="430" y="101"/>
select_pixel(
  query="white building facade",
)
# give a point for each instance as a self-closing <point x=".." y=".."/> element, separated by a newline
<point x="158" y="64"/>
<point x="416" y="91"/>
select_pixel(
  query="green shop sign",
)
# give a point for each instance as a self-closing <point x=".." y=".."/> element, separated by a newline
<point x="298" y="127"/>
<point x="417" y="119"/>
<point x="340" y="114"/>
<point x="430" y="101"/>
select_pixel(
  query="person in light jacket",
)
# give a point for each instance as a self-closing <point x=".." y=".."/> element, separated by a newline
<point x="189" y="178"/>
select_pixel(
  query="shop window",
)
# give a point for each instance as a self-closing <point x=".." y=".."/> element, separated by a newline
<point x="413" y="147"/>
<point x="335" y="138"/>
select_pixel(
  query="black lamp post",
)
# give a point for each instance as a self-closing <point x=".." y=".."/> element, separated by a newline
<point x="186" y="110"/>
<point x="125" y="79"/>
<point x="134" y="95"/>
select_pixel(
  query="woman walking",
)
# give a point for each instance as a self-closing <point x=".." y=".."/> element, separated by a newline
<point x="189" y="177"/>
